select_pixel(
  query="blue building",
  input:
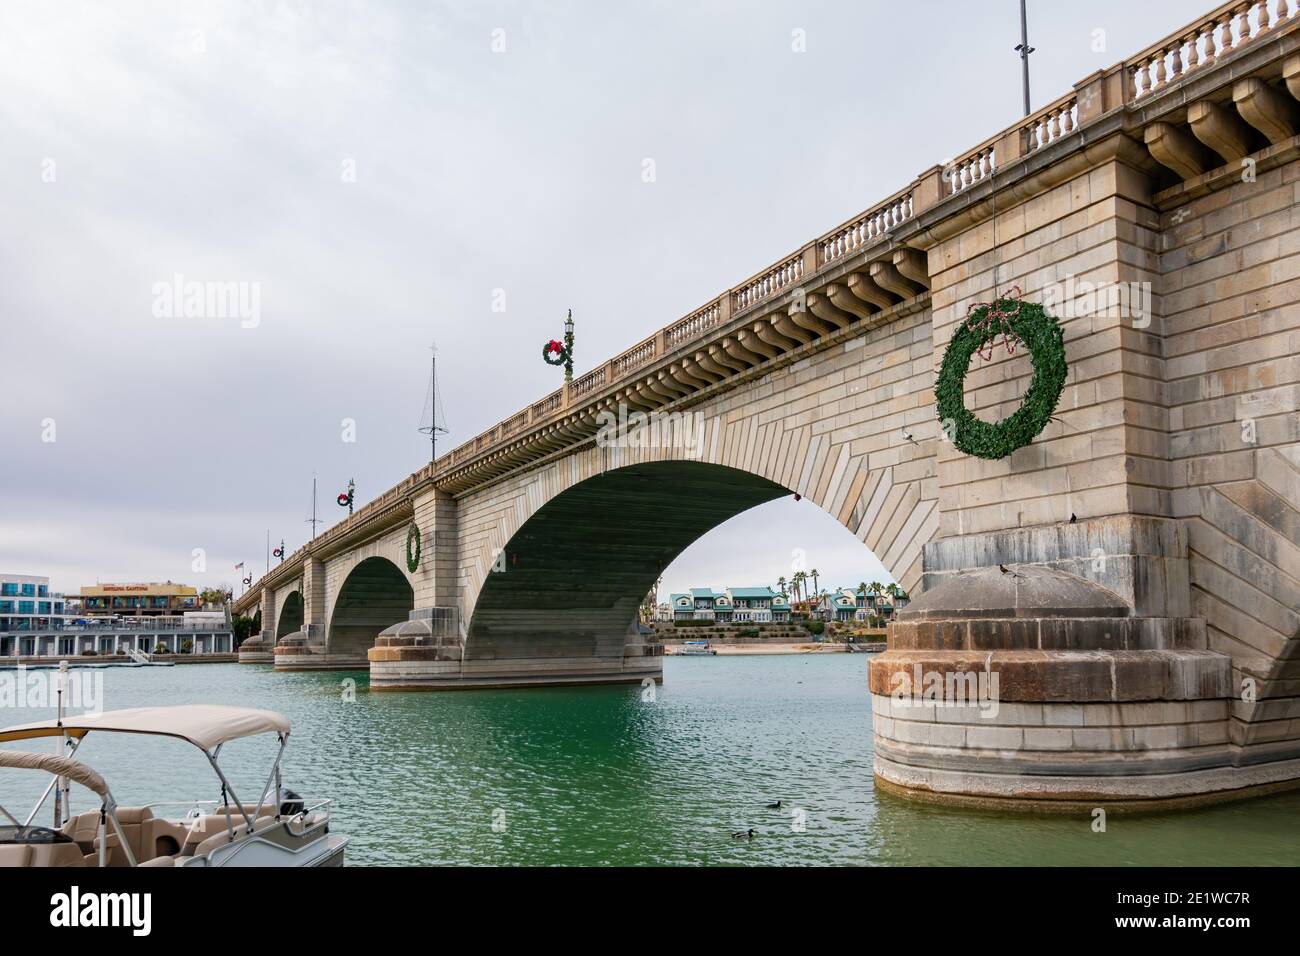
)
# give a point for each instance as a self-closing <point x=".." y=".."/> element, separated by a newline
<point x="26" y="604"/>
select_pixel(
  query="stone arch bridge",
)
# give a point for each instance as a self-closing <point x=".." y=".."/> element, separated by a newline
<point x="1147" y="640"/>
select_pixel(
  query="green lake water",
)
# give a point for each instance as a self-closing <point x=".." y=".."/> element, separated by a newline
<point x="600" y="775"/>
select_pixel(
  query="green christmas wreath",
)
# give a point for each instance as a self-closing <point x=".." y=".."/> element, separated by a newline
<point x="1028" y="323"/>
<point x="413" y="559"/>
<point x="557" y="349"/>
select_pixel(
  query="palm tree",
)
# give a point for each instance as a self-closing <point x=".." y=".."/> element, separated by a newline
<point x="862" y="592"/>
<point x="893" y="591"/>
<point x="813" y="572"/>
<point x="780" y="586"/>
<point x="798" y="580"/>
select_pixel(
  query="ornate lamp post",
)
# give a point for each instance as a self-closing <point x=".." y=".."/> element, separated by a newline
<point x="345" y="499"/>
<point x="568" y="348"/>
<point x="556" y="352"/>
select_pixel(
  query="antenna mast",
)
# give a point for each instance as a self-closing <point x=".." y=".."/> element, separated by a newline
<point x="434" y="429"/>
<point x="313" y="520"/>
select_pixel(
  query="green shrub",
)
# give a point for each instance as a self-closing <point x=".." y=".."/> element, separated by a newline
<point x="748" y="632"/>
<point x="815" y="627"/>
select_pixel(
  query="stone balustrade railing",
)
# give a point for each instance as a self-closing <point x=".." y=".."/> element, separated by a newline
<point x="1050" y="123"/>
<point x="1200" y="43"/>
<point x="866" y="229"/>
<point x="589" y="383"/>
<point x="635" y="357"/>
<point x="694" y="325"/>
<point x="768" y="283"/>
<point x="548" y="405"/>
<point x="971" y="167"/>
<point x="1185" y="52"/>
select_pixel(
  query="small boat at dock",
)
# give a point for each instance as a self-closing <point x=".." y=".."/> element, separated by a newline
<point x="696" y="649"/>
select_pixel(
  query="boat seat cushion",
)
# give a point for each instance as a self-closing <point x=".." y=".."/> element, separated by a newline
<point x="159" y="837"/>
<point x="133" y="820"/>
<point x="15" y="854"/>
<point x="83" y="828"/>
<point x="199" y="829"/>
<point x="57" y="854"/>
<point x="223" y="838"/>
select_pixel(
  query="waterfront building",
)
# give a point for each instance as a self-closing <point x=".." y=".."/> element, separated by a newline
<point x="139" y="600"/>
<point x="27" y="604"/>
<point x="114" y="637"/>
<point x="38" y="623"/>
<point x="752" y="605"/>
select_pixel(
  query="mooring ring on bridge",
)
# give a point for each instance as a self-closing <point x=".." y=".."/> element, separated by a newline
<point x="413" y="559"/>
<point x="1041" y="334"/>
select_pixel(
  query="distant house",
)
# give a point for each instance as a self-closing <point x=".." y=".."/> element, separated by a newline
<point x="751" y="605"/>
<point x="849" y="604"/>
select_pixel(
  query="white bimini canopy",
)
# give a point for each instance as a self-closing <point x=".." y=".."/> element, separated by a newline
<point x="203" y="725"/>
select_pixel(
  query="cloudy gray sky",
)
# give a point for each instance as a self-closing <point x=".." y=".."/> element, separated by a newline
<point x="379" y="170"/>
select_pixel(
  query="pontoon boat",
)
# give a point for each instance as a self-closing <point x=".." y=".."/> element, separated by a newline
<point x="279" y="830"/>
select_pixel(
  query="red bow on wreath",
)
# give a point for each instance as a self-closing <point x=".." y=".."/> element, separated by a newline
<point x="995" y="320"/>
<point x="555" y="345"/>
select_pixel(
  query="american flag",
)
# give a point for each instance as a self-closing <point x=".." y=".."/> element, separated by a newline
<point x="239" y="565"/>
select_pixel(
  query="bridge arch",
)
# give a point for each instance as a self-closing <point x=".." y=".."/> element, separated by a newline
<point x="849" y="428"/>
<point x="374" y="595"/>
<point x="577" y="546"/>
<point x="291" y="615"/>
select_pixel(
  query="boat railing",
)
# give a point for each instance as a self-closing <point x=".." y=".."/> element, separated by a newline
<point x="219" y="807"/>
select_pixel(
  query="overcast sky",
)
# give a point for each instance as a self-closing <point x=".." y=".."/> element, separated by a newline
<point x="377" y="172"/>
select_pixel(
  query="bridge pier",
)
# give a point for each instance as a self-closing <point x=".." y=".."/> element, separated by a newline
<point x="261" y="649"/>
<point x="305" y="650"/>
<point x="1058" y="669"/>
<point x="426" y="653"/>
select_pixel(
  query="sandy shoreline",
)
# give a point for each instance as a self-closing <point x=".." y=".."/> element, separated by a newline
<point x="764" y="648"/>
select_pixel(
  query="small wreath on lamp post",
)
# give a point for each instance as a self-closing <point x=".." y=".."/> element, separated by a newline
<point x="413" y="556"/>
<point x="1026" y="322"/>
<point x="554" y="352"/>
